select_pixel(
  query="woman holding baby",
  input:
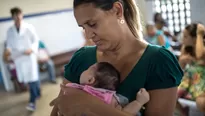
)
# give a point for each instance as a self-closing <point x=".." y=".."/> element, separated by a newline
<point x="115" y="27"/>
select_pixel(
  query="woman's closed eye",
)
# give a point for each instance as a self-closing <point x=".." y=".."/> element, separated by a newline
<point x="92" y="25"/>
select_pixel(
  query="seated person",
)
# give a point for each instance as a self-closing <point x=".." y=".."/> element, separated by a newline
<point x="19" y="87"/>
<point x="46" y="62"/>
<point x="101" y="80"/>
<point x="153" y="37"/>
<point x="192" y="60"/>
<point x="156" y="37"/>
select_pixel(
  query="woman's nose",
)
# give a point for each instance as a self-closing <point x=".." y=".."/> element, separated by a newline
<point x="89" y="33"/>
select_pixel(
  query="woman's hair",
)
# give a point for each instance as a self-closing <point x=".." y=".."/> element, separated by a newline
<point x="106" y="76"/>
<point x="191" y="29"/>
<point x="131" y="12"/>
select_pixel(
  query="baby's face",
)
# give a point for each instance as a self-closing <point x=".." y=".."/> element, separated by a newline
<point x="88" y="76"/>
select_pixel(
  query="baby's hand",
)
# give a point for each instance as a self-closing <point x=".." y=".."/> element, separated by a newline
<point x="143" y="96"/>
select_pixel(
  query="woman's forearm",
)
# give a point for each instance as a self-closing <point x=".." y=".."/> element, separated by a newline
<point x="199" y="47"/>
<point x="76" y="101"/>
<point x="182" y="62"/>
<point x="104" y="110"/>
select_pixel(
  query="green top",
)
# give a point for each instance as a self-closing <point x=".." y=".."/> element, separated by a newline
<point x="41" y="45"/>
<point x="158" y="68"/>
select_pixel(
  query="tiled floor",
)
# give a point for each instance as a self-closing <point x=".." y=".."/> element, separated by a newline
<point x="12" y="104"/>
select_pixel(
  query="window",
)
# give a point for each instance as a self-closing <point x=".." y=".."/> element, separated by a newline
<point x="175" y="12"/>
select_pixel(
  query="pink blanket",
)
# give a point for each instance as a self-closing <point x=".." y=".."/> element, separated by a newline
<point x="103" y="94"/>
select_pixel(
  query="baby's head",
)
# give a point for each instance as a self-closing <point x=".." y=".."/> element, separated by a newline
<point x="101" y="75"/>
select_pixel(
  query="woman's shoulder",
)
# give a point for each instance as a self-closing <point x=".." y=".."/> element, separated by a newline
<point x="159" y="53"/>
<point x="164" y="69"/>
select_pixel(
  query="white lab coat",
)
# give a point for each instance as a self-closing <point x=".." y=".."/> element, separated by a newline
<point x="18" y="43"/>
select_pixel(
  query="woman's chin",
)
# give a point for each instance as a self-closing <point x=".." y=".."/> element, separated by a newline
<point x="101" y="48"/>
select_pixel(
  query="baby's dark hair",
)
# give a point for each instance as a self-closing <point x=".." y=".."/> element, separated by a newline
<point x="107" y="76"/>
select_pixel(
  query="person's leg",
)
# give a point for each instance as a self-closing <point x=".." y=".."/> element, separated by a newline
<point x="39" y="83"/>
<point x="200" y="102"/>
<point x="182" y="110"/>
<point x="51" y="70"/>
<point x="33" y="90"/>
<point x="39" y="88"/>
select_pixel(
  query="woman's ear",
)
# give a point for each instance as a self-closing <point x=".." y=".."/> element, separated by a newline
<point x="118" y="9"/>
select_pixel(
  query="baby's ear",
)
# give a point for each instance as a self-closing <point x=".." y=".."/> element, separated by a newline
<point x="91" y="80"/>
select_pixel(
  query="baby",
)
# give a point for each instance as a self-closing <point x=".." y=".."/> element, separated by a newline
<point x="101" y="80"/>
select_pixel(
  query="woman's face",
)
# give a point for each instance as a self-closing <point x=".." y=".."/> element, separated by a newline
<point x="187" y="39"/>
<point x="103" y="27"/>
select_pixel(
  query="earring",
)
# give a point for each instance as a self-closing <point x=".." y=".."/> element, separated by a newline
<point x="122" y="21"/>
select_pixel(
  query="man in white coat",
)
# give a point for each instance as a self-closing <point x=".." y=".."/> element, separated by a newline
<point x="22" y="44"/>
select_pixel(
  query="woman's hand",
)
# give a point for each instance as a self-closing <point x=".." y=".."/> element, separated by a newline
<point x="70" y="103"/>
<point x="185" y="59"/>
<point x="75" y="101"/>
<point x="200" y="30"/>
<point x="200" y="51"/>
<point x="55" y="109"/>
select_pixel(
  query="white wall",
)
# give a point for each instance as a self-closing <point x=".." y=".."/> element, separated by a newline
<point x="149" y="5"/>
<point x="197" y="11"/>
<point x="33" y="6"/>
<point x="59" y="31"/>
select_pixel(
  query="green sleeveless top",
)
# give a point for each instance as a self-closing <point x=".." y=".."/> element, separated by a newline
<point x="158" y="68"/>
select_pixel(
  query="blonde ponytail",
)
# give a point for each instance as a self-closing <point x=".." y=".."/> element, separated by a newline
<point x="132" y="17"/>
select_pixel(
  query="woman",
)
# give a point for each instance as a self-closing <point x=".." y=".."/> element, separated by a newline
<point x="192" y="60"/>
<point x="115" y="28"/>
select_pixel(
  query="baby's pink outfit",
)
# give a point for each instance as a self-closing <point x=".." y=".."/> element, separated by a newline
<point x="103" y="94"/>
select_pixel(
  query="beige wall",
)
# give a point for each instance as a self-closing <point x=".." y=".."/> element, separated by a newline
<point x="33" y="6"/>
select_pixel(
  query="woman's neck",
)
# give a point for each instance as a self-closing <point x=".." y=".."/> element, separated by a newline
<point x="127" y="47"/>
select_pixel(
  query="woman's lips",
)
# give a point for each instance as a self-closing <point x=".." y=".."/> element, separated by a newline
<point x="97" y="42"/>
